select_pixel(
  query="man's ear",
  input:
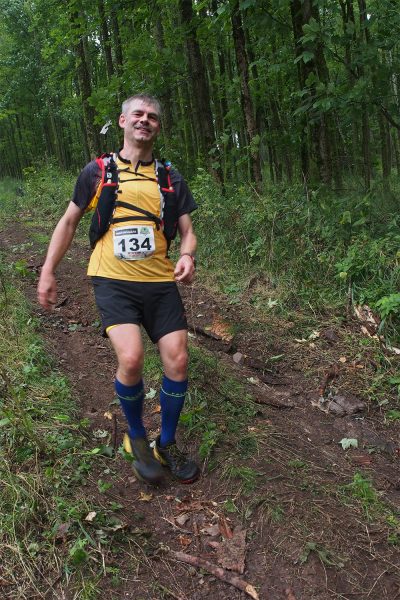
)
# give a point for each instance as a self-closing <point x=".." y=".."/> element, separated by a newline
<point x="122" y="120"/>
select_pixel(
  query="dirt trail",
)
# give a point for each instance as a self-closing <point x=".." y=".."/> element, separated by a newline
<point x="302" y="541"/>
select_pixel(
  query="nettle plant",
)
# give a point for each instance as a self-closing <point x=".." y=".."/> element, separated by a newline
<point x="389" y="309"/>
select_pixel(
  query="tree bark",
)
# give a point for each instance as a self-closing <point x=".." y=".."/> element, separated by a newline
<point x="199" y="85"/>
<point x="364" y="109"/>
<point x="105" y="39"/>
<point x="116" y="40"/>
<point x="86" y="91"/>
<point x="297" y="26"/>
<point x="166" y="95"/>
<point x="243" y="70"/>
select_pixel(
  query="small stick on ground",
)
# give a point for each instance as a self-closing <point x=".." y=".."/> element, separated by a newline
<point x="115" y="431"/>
<point x="222" y="574"/>
<point x="196" y="531"/>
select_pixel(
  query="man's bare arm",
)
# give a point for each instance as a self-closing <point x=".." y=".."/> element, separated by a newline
<point x="184" y="269"/>
<point x="60" y="242"/>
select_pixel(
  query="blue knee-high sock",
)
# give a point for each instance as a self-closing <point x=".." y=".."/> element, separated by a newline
<point x="131" y="398"/>
<point x="172" y="397"/>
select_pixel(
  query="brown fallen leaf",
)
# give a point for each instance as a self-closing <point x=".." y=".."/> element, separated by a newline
<point x="193" y="505"/>
<point x="90" y="516"/>
<point x="370" y="321"/>
<point x="182" y="519"/>
<point x="289" y="594"/>
<point x="232" y="551"/>
<point x="224" y="528"/>
<point x="156" y="410"/>
<point x="212" y="530"/>
<point x="184" y="540"/>
<point x="108" y="415"/>
<point x="145" y="497"/>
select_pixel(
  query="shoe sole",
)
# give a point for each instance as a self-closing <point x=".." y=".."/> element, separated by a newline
<point x="164" y="463"/>
<point x="127" y="446"/>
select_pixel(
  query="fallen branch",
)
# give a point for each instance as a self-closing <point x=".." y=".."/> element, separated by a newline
<point x="275" y="402"/>
<point x="222" y="574"/>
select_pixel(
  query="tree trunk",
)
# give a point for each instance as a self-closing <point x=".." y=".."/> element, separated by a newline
<point x="348" y="20"/>
<point x="364" y="110"/>
<point x="17" y="163"/>
<point x="116" y="41"/>
<point x="166" y="95"/>
<point x="199" y="85"/>
<point x="297" y="26"/>
<point x="396" y="142"/>
<point x="243" y="70"/>
<point x="385" y="151"/>
<point x="105" y="39"/>
<point x="366" y="153"/>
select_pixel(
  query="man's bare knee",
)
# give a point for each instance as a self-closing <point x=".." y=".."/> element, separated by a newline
<point x="175" y="365"/>
<point x="131" y="364"/>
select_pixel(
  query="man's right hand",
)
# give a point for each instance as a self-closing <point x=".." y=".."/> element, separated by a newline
<point x="47" y="290"/>
<point x="59" y="244"/>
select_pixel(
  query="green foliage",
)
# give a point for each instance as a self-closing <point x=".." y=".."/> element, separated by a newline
<point x="327" y="557"/>
<point x="246" y="476"/>
<point x="314" y="245"/>
<point x="362" y="489"/>
<point x="47" y="191"/>
<point x="43" y="466"/>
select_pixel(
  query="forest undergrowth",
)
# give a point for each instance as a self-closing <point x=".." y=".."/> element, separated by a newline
<point x="311" y="249"/>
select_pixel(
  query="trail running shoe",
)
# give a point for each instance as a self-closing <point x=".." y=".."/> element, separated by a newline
<point x="144" y="465"/>
<point x="181" y="466"/>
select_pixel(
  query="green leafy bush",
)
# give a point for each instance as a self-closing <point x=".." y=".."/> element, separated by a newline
<point x="47" y="191"/>
<point x="313" y="244"/>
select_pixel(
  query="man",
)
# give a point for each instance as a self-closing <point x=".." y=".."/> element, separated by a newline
<point x="134" y="288"/>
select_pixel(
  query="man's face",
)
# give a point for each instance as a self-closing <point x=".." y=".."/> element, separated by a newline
<point x="140" y="122"/>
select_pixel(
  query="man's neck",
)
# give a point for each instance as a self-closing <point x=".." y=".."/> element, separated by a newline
<point x="136" y="153"/>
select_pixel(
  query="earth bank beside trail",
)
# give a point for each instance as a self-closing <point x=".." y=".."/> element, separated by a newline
<point x="312" y="527"/>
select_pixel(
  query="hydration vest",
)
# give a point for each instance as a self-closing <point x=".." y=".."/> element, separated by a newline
<point x="103" y="215"/>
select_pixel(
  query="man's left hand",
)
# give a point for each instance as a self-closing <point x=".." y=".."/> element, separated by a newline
<point x="184" y="269"/>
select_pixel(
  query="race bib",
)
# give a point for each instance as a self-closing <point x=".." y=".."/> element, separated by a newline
<point x="133" y="243"/>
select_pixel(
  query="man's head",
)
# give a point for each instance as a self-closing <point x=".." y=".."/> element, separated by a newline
<point x="140" y="119"/>
<point x="147" y="99"/>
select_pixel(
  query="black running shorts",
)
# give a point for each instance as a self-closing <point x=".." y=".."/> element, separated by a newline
<point x="156" y="306"/>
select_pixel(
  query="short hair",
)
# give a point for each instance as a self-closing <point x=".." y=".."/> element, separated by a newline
<point x="144" y="98"/>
